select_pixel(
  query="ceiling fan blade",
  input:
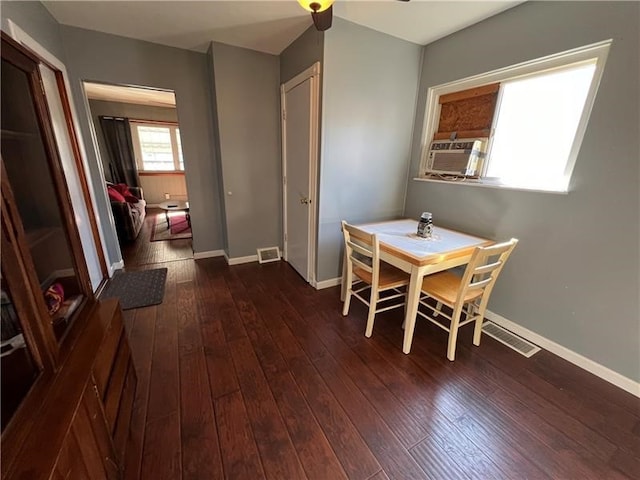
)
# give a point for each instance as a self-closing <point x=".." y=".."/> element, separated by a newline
<point x="322" y="20"/>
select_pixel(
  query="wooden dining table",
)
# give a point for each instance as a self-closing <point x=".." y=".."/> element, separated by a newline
<point x="403" y="248"/>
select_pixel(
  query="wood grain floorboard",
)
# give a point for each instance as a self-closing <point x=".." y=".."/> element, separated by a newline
<point x="603" y="413"/>
<point x="141" y="330"/>
<point x="247" y="372"/>
<point x="405" y="423"/>
<point x="240" y="455"/>
<point x="314" y="450"/>
<point x="189" y="335"/>
<point x="353" y="453"/>
<point x="460" y="450"/>
<point x="379" y="476"/>
<point x="161" y="456"/>
<point x="578" y="449"/>
<point x="582" y="383"/>
<point x="164" y="388"/>
<point x="433" y="410"/>
<point x="279" y="457"/>
<point x="201" y="457"/>
<point x="388" y="450"/>
<point x="436" y="461"/>
<point x="625" y="463"/>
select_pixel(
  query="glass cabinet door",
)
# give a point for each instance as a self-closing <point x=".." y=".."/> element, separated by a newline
<point x="36" y="196"/>
<point x="18" y="368"/>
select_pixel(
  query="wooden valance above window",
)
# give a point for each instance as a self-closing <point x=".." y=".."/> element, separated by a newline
<point x="468" y="113"/>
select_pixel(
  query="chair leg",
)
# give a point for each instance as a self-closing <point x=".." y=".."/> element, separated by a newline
<point x="477" y="329"/>
<point x="438" y="307"/>
<point x="453" y="333"/>
<point x="373" y="303"/>
<point x="347" y="292"/>
<point x="344" y="286"/>
<point x="406" y="303"/>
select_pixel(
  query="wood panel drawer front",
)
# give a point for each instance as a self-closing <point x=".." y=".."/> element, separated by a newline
<point x="87" y="451"/>
<point x="95" y="410"/>
<point x="116" y="383"/>
<point x="104" y="362"/>
<point x="123" y="421"/>
<point x="70" y="464"/>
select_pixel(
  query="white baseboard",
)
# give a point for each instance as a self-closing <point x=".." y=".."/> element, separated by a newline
<point x="332" y="282"/>
<point x="115" y="266"/>
<point x="601" y="371"/>
<point x="239" y="260"/>
<point x="208" y="254"/>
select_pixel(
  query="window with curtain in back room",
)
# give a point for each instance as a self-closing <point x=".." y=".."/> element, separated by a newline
<point x="158" y="147"/>
<point x="531" y="118"/>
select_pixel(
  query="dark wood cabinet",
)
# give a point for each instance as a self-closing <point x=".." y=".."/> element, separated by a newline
<point x="67" y="376"/>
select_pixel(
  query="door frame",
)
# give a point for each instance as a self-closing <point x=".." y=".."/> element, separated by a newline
<point x="313" y="74"/>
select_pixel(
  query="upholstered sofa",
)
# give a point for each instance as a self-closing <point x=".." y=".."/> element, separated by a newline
<point x="129" y="215"/>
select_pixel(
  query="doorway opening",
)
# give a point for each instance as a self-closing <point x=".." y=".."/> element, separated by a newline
<point x="142" y="165"/>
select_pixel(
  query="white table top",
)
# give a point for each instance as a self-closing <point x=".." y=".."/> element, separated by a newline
<point x="174" y="205"/>
<point x="399" y="236"/>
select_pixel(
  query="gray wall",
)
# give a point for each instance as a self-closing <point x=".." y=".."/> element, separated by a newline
<point x="574" y="276"/>
<point x="101" y="57"/>
<point x="127" y="110"/>
<point x="247" y="97"/>
<point x="36" y="20"/>
<point x="303" y="52"/>
<point x="369" y="97"/>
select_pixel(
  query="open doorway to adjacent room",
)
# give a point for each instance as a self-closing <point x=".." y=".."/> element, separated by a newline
<point x="140" y="151"/>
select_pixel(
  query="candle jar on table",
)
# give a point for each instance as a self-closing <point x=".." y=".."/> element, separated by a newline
<point x="425" y="225"/>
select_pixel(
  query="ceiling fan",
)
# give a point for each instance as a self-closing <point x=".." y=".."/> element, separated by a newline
<point x="322" y="12"/>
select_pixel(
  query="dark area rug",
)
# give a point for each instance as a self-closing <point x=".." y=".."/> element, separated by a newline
<point x="137" y="289"/>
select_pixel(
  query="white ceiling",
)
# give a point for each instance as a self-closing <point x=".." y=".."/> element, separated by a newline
<point x="140" y="96"/>
<point x="265" y="25"/>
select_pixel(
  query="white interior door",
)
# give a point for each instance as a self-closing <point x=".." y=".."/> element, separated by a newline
<point x="300" y="121"/>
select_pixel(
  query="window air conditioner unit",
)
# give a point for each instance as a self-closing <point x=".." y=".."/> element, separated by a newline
<point x="460" y="157"/>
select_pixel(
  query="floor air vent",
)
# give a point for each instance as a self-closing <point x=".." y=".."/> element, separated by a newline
<point x="509" y="339"/>
<point x="270" y="254"/>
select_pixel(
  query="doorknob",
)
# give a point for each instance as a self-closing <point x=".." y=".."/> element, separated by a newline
<point x="305" y="201"/>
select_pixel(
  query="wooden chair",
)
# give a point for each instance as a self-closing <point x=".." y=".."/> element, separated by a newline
<point x="469" y="293"/>
<point x="364" y="270"/>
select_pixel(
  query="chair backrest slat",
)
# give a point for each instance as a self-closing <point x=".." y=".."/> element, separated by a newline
<point x="479" y="284"/>
<point x="361" y="246"/>
<point x="487" y="268"/>
<point x="361" y="249"/>
<point x="357" y="262"/>
<point x="483" y="269"/>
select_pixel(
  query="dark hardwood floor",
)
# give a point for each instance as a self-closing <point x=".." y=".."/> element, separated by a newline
<point x="246" y="372"/>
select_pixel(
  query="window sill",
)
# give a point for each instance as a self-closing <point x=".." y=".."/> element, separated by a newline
<point x="486" y="183"/>
<point x="150" y="173"/>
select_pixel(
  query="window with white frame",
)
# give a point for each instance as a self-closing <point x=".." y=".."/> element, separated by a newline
<point x="157" y="146"/>
<point x="528" y="120"/>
